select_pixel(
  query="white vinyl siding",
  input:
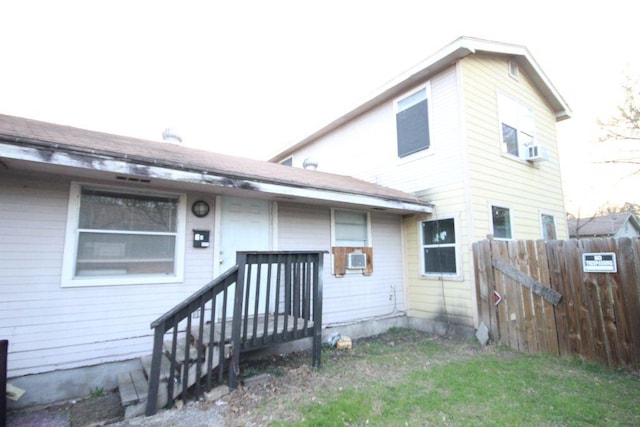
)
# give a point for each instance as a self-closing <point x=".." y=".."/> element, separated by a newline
<point x="354" y="296"/>
<point x="51" y="328"/>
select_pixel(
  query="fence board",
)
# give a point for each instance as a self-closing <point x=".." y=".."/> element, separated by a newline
<point x="546" y="314"/>
<point x="501" y="309"/>
<point x="627" y="294"/>
<point x="521" y="294"/>
<point x="484" y="287"/>
<point x="598" y="317"/>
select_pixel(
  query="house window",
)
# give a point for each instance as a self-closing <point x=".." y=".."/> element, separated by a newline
<point x="121" y="237"/>
<point x="287" y="162"/>
<point x="439" y="247"/>
<point x="517" y="126"/>
<point x="513" y="70"/>
<point x="501" y="220"/>
<point x="351" y="228"/>
<point x="548" y="227"/>
<point x="412" y="123"/>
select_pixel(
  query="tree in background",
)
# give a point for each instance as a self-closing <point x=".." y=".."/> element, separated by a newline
<point x="581" y="221"/>
<point x="625" y="124"/>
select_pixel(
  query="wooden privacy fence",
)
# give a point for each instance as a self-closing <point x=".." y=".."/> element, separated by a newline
<point x="535" y="297"/>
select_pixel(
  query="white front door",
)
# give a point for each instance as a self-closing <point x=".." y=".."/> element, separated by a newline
<point x="245" y="225"/>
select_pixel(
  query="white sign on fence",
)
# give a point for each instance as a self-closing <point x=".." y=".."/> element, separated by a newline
<point x="602" y="262"/>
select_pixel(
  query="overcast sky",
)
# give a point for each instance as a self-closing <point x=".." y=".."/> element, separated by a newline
<point x="250" y="77"/>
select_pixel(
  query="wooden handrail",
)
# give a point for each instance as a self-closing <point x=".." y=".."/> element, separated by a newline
<point x="281" y="289"/>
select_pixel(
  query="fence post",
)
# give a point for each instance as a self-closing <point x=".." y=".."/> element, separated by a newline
<point x="4" y="347"/>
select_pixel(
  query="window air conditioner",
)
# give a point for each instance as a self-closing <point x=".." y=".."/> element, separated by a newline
<point x="356" y="260"/>
<point x="536" y="153"/>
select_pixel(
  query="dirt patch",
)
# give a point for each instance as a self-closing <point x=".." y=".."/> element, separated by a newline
<point x="292" y="383"/>
<point x="97" y="411"/>
<point x="93" y="411"/>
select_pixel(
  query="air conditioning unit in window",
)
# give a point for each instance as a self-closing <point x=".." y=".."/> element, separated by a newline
<point x="356" y="260"/>
<point x="536" y="153"/>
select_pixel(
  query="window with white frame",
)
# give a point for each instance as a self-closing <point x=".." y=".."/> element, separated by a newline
<point x="517" y="126"/>
<point x="412" y="123"/>
<point x="122" y="237"/>
<point x="439" y="247"/>
<point x="548" y="227"/>
<point x="351" y="228"/>
<point x="501" y="222"/>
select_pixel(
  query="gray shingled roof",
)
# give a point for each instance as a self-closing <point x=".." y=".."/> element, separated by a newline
<point x="49" y="136"/>
<point x="606" y="225"/>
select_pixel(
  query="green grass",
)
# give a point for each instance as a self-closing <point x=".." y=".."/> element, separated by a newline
<point x="472" y="387"/>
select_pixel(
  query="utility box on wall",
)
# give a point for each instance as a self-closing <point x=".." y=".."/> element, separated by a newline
<point x="201" y="238"/>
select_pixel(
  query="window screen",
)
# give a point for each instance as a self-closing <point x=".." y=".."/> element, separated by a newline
<point x="122" y="234"/>
<point x="350" y="228"/>
<point x="412" y="123"/>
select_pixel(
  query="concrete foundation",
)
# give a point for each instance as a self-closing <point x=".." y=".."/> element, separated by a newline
<point x="64" y="385"/>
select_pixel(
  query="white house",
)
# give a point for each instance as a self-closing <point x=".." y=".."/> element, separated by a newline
<point x="101" y="234"/>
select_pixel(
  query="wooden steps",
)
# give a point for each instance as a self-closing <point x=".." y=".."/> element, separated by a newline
<point x="134" y="392"/>
<point x="134" y="386"/>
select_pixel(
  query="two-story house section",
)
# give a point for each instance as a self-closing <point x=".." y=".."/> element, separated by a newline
<point x="471" y="129"/>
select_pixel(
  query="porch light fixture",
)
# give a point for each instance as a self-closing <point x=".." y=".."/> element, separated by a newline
<point x="200" y="208"/>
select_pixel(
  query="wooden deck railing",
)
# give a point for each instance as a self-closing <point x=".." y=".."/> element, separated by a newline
<point x="266" y="299"/>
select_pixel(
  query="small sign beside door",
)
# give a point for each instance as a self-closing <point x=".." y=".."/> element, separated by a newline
<point x="601" y="262"/>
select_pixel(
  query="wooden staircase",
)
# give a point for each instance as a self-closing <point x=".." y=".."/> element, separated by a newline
<point x="268" y="298"/>
<point x="134" y="385"/>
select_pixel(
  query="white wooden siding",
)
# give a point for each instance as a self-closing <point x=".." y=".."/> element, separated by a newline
<point x="367" y="147"/>
<point x="49" y="327"/>
<point x="354" y="296"/>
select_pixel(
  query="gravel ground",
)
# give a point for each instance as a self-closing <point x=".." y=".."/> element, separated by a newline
<point x="195" y="414"/>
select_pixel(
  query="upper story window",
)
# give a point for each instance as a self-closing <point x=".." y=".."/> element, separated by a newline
<point x="501" y="222"/>
<point x="514" y="72"/>
<point x="439" y="247"/>
<point x="351" y="228"/>
<point x="548" y="227"/>
<point x="287" y="162"/>
<point x="412" y="123"/>
<point x="517" y="125"/>
<point x="120" y="237"/>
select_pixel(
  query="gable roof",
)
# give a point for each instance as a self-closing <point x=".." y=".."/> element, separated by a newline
<point x="442" y="59"/>
<point x="606" y="225"/>
<point x="47" y="144"/>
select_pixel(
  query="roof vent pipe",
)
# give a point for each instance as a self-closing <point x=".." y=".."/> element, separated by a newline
<point x="169" y="135"/>
<point x="310" y="164"/>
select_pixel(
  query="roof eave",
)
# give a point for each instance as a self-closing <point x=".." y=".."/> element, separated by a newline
<point x="99" y="162"/>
